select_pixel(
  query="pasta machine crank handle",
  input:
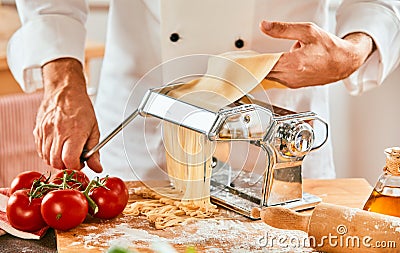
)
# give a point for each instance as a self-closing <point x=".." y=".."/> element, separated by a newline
<point x="86" y="154"/>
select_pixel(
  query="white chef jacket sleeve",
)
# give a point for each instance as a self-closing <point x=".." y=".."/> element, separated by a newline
<point x="381" y="20"/>
<point x="51" y="29"/>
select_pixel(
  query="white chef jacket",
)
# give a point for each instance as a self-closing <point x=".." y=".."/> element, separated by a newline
<point x="139" y="38"/>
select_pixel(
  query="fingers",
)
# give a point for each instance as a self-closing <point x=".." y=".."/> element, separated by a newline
<point x="55" y="154"/>
<point x="295" y="46"/>
<point x="289" y="70"/>
<point x="47" y="141"/>
<point x="71" y="153"/>
<point x="94" y="161"/>
<point x="305" y="32"/>
<point x="60" y="143"/>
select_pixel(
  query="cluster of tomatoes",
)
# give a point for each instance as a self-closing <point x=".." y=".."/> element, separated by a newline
<point x="64" y="200"/>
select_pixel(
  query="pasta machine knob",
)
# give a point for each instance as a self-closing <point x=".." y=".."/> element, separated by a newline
<point x="294" y="139"/>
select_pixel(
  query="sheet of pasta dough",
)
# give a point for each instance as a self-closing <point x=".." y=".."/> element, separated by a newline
<point x="229" y="77"/>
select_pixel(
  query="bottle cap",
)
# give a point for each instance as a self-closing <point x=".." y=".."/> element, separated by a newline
<point x="393" y="160"/>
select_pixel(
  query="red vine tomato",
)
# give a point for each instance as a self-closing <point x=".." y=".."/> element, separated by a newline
<point x="64" y="209"/>
<point x="112" y="200"/>
<point x="25" y="180"/>
<point x="76" y="179"/>
<point x="24" y="214"/>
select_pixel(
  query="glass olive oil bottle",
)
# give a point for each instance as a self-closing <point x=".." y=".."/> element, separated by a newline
<point x="385" y="197"/>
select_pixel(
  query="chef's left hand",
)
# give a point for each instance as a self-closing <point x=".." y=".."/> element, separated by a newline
<point x="318" y="57"/>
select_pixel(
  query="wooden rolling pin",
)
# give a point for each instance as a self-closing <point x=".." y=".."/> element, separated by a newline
<point x="333" y="228"/>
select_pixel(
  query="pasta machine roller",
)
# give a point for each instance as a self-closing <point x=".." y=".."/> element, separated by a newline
<point x="282" y="137"/>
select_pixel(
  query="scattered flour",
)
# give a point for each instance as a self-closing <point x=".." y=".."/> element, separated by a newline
<point x="214" y="235"/>
<point x="91" y="228"/>
<point x="350" y="213"/>
<point x="133" y="234"/>
<point x="394" y="222"/>
<point x="75" y="243"/>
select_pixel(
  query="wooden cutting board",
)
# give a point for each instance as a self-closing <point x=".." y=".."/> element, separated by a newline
<point x="230" y="233"/>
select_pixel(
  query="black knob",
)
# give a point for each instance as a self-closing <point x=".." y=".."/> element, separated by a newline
<point x="239" y="43"/>
<point x="174" y="37"/>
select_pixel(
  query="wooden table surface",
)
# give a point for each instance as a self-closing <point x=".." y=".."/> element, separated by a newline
<point x="92" y="237"/>
<point x="351" y="192"/>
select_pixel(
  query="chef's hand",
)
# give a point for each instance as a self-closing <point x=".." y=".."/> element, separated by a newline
<point x="66" y="122"/>
<point x="317" y="57"/>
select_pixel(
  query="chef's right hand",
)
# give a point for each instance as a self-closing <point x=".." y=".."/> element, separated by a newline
<point x="66" y="122"/>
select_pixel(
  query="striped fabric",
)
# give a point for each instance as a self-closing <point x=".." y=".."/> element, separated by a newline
<point x="17" y="148"/>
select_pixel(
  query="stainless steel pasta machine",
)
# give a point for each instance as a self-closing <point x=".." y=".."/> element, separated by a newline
<point x="283" y="139"/>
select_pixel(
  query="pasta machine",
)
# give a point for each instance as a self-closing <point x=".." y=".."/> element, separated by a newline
<point x="282" y="137"/>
